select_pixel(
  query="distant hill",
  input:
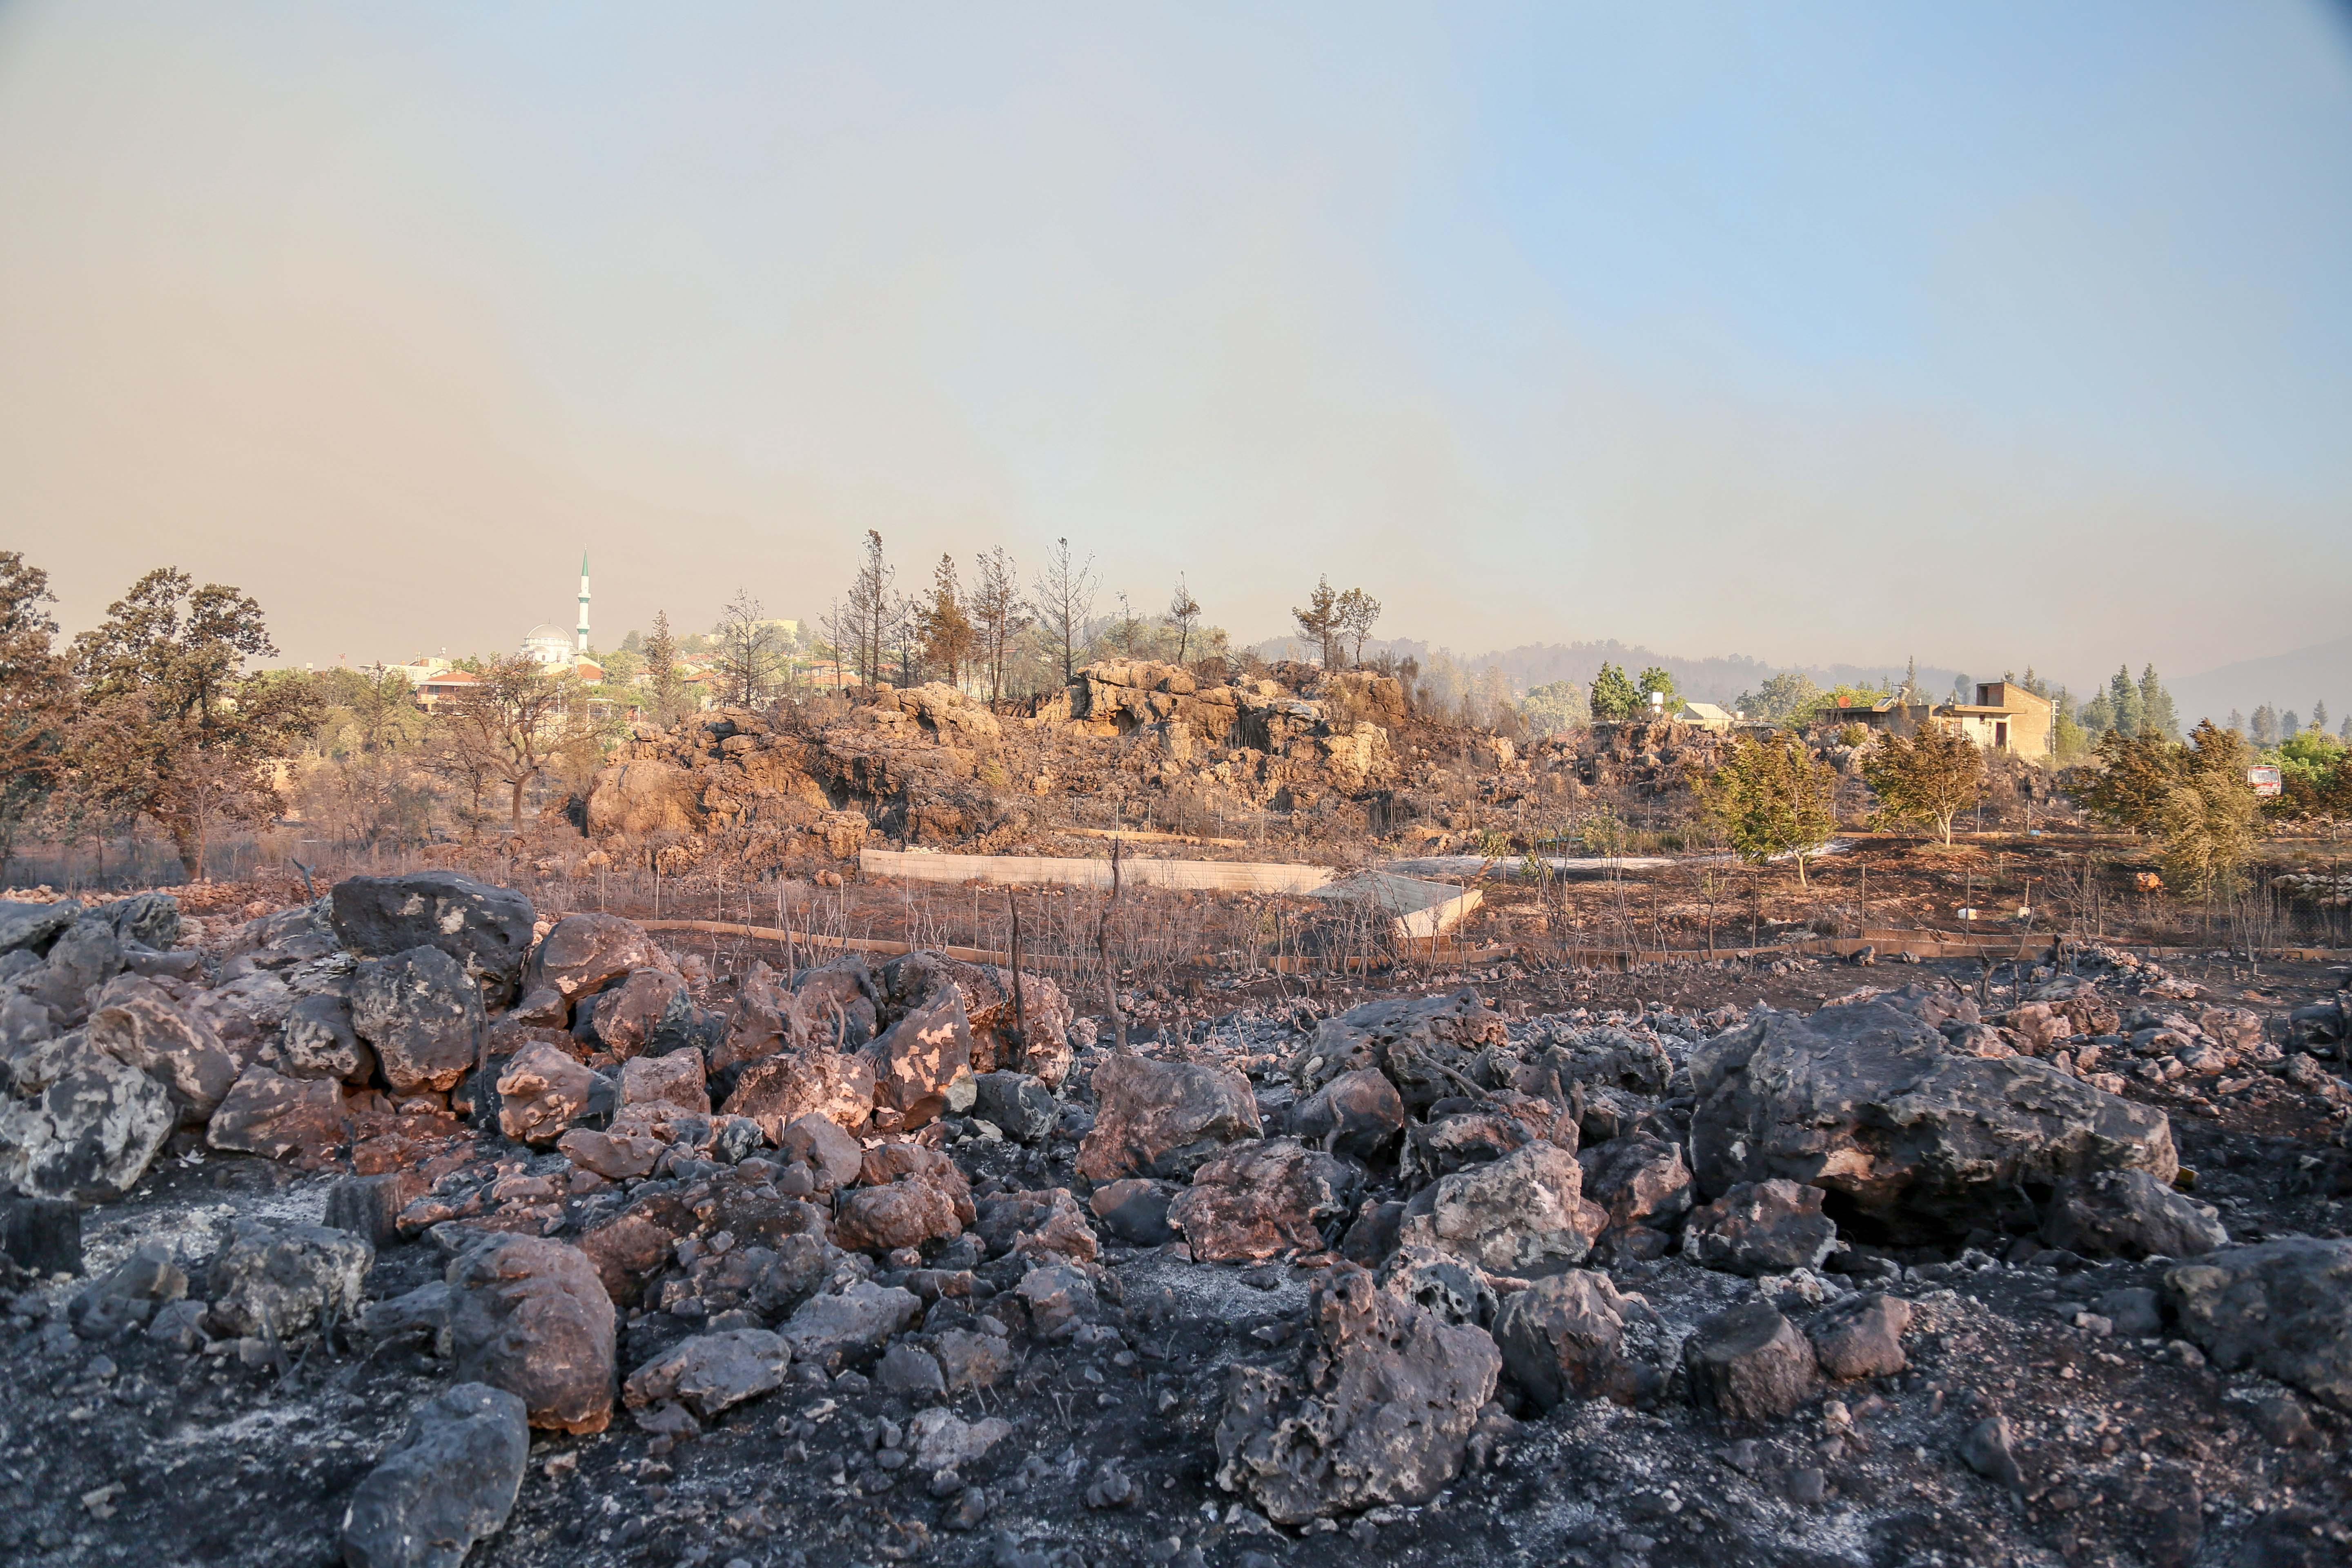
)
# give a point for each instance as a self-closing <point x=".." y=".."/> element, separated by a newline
<point x="1720" y="679"/>
<point x="2322" y="672"/>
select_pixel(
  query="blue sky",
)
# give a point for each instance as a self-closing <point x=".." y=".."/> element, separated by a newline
<point x="1995" y="334"/>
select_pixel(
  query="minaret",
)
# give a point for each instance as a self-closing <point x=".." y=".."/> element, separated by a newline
<point x="583" y="603"/>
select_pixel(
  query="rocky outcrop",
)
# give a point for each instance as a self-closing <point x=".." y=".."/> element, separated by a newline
<point x="582" y="953"/>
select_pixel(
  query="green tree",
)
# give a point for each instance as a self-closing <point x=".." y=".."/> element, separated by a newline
<point x="171" y="725"/>
<point x="2070" y="740"/>
<point x="2156" y="711"/>
<point x="1772" y="799"/>
<point x="1555" y="707"/>
<point x="2207" y="816"/>
<point x="1614" y="697"/>
<point x="1786" y="699"/>
<point x="1320" y="622"/>
<point x="2123" y="696"/>
<point x="2136" y="776"/>
<point x="1929" y="778"/>
<point x="37" y="698"/>
<point x="1656" y="683"/>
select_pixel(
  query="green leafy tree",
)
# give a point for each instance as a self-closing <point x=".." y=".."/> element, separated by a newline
<point x="2070" y="740"/>
<point x="1656" y="683"/>
<point x="1555" y="707"/>
<point x="37" y="698"/>
<point x="1786" y="699"/>
<point x="172" y="726"/>
<point x="1929" y="778"/>
<point x="1772" y="799"/>
<point x="1614" y="697"/>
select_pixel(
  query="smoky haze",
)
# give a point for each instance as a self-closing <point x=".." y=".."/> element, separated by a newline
<point x="1812" y="336"/>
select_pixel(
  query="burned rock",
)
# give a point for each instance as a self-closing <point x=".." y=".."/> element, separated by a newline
<point x="2130" y="1214"/>
<point x="709" y="1372"/>
<point x="1762" y="1227"/>
<point x="624" y="1019"/>
<point x="281" y="1118"/>
<point x="1439" y="1282"/>
<point x="917" y="1060"/>
<point x="1378" y="1411"/>
<point x="1358" y="1114"/>
<point x="542" y="1092"/>
<point x="1563" y="1337"/>
<point x="1751" y="1363"/>
<point x="851" y="1326"/>
<point x="777" y="1090"/>
<point x="1263" y="1199"/>
<point x="2283" y="1308"/>
<point x="1422" y="1044"/>
<point x="1866" y="1100"/>
<point x="285" y="1279"/>
<point x="1163" y="1118"/>
<point x="318" y="1041"/>
<point x="584" y="953"/>
<point x="832" y="1154"/>
<point x="90" y="1134"/>
<point x="1524" y="1215"/>
<point x="487" y="929"/>
<point x="1021" y="1106"/>
<point x="1639" y="1180"/>
<point x="136" y="1023"/>
<point x="1046" y="1225"/>
<point x="532" y="1318"/>
<point x="1861" y="1338"/>
<point x="422" y="1015"/>
<point x="40" y="1236"/>
<point x="450" y="1481"/>
<point x="1135" y="1210"/>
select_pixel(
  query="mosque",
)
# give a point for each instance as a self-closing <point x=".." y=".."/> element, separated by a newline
<point x="549" y="647"/>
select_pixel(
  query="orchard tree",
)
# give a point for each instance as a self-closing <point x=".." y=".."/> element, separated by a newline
<point x="1929" y="779"/>
<point x="172" y="726"/>
<point x="1773" y="800"/>
<point x="2207" y="819"/>
<point x="510" y="728"/>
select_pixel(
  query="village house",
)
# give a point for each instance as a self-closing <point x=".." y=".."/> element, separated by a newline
<point x="2005" y="717"/>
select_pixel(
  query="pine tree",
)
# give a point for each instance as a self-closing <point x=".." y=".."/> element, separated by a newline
<point x="1614" y="698"/>
<point x="2156" y="717"/>
<point x="1320" y="622"/>
<point x="2264" y="730"/>
<point x="662" y="674"/>
<point x="2123" y="692"/>
<point x="2237" y="721"/>
<point x="2289" y="725"/>
<point x="2319" y="717"/>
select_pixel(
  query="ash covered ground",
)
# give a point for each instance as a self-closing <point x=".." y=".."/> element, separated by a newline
<point x="412" y="1226"/>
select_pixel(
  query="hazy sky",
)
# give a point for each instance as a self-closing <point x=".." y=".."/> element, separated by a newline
<point x="1998" y="334"/>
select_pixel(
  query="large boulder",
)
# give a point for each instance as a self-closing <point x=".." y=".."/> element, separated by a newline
<point x="582" y="953"/>
<point x="1358" y="1114"/>
<point x="1261" y="1199"/>
<point x="1379" y="1410"/>
<point x="532" y="1318"/>
<point x="451" y="1480"/>
<point x="1413" y="1040"/>
<point x="624" y="1017"/>
<point x="86" y="957"/>
<point x="918" y="1058"/>
<point x="2130" y="1214"/>
<point x="422" y="1015"/>
<point x="150" y="920"/>
<point x="486" y="929"/>
<point x="281" y="1118"/>
<point x="32" y="928"/>
<point x="2283" y="1308"/>
<point x="1564" y="1338"/>
<point x="1640" y="1180"/>
<point x="138" y="1024"/>
<point x="1163" y="1118"/>
<point x="1523" y="1216"/>
<point x="91" y="1131"/>
<point x="778" y="1091"/>
<point x="837" y="1329"/>
<point x="1867" y="1101"/>
<point x="280" y="1280"/>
